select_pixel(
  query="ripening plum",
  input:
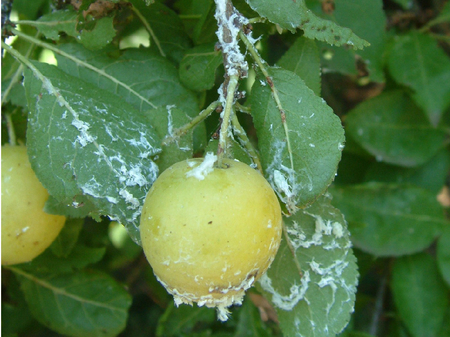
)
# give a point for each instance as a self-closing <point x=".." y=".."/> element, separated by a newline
<point x="209" y="233"/>
<point x="27" y="230"/>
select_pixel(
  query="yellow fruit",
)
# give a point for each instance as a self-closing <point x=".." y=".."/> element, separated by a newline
<point x="26" y="229"/>
<point x="209" y="233"/>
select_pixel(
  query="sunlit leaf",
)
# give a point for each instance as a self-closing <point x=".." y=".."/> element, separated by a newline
<point x="303" y="59"/>
<point x="198" y="67"/>
<point x="301" y="173"/>
<point x="104" y="158"/>
<point x="66" y="21"/>
<point x="290" y="15"/>
<point x="167" y="35"/>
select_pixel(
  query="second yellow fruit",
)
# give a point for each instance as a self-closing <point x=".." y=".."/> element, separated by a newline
<point x="26" y="229"/>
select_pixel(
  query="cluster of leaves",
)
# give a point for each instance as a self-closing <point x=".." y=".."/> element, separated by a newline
<point x="109" y="114"/>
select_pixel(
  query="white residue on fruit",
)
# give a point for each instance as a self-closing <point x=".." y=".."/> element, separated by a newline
<point x="204" y="168"/>
<point x="23" y="230"/>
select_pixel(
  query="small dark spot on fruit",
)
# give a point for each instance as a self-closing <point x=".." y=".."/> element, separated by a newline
<point x="254" y="274"/>
<point x="36" y="243"/>
<point x="209" y="222"/>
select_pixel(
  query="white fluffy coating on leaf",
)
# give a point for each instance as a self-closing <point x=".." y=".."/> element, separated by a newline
<point x="286" y="182"/>
<point x="204" y="168"/>
<point x="296" y="292"/>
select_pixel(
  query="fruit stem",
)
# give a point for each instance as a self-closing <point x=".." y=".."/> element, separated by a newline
<point x="242" y="108"/>
<point x="181" y="131"/>
<point x="245" y="142"/>
<point x="11" y="132"/>
<point x="226" y="117"/>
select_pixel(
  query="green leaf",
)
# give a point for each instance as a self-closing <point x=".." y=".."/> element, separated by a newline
<point x="181" y="320"/>
<point x="368" y="20"/>
<point x="104" y="156"/>
<point x="165" y="121"/>
<point x="417" y="62"/>
<point x="394" y="130"/>
<point x="67" y="238"/>
<point x="31" y="9"/>
<point x="205" y="29"/>
<point x="312" y="281"/>
<point x="142" y="78"/>
<point x="443" y="254"/>
<point x="301" y="173"/>
<point x="234" y="150"/>
<point x="16" y="316"/>
<point x="59" y="21"/>
<point x="390" y="219"/>
<point x="290" y="15"/>
<point x="198" y="67"/>
<point x="80" y="304"/>
<point x="303" y="59"/>
<point x="97" y="37"/>
<point x="250" y="323"/>
<point x="79" y="257"/>
<point x="168" y="35"/>
<point x="445" y="328"/>
<point x="419" y="294"/>
<point x="126" y="77"/>
<point x="430" y="175"/>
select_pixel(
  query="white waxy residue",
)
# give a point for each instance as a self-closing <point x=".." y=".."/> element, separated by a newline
<point x="202" y="170"/>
